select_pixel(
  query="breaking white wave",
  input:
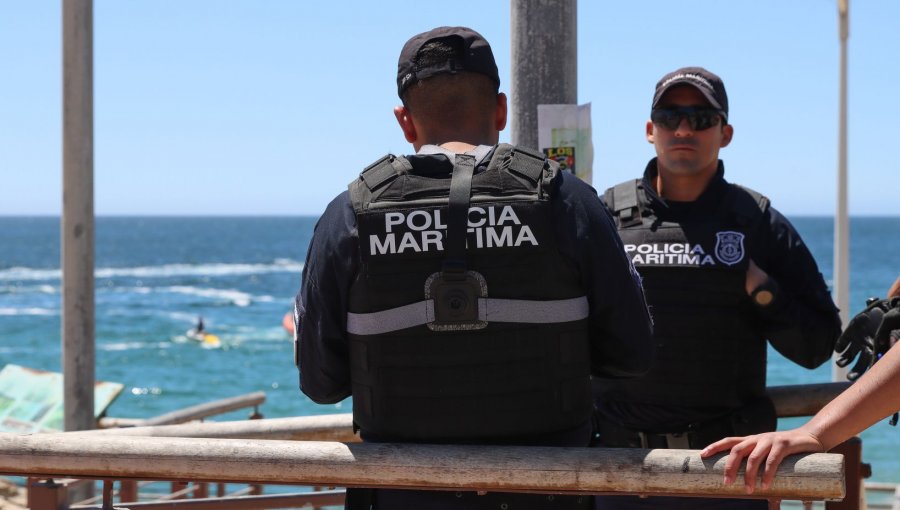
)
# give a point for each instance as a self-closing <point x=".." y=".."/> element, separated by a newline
<point x="127" y="346"/>
<point x="190" y="318"/>
<point x="27" y="273"/>
<point x="145" y="391"/>
<point x="233" y="296"/>
<point x="29" y="289"/>
<point x="163" y="271"/>
<point x="258" y="334"/>
<point x="27" y="311"/>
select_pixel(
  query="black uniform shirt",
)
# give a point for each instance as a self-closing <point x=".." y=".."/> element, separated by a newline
<point x="620" y="331"/>
<point x="802" y="323"/>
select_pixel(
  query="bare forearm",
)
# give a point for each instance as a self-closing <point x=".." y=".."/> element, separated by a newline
<point x="874" y="396"/>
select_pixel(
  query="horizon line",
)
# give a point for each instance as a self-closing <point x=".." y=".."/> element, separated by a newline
<point x="271" y="215"/>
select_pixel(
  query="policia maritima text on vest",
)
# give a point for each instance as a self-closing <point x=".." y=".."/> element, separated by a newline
<point x="466" y="293"/>
<point x="723" y="272"/>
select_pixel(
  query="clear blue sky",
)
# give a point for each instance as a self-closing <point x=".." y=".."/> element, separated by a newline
<point x="249" y="107"/>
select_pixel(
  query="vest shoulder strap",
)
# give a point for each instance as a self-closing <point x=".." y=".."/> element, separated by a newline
<point x="747" y="205"/>
<point x="529" y="164"/>
<point x="500" y="157"/>
<point x="376" y="175"/>
<point x="625" y="201"/>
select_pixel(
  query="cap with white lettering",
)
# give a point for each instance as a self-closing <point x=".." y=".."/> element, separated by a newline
<point x="707" y="83"/>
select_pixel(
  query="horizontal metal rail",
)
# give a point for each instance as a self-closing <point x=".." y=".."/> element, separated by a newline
<point x="109" y="422"/>
<point x="789" y="401"/>
<point x="818" y="476"/>
<point x="201" y="411"/>
<point x="804" y="399"/>
<point x="329" y="427"/>
<point x="315" y="499"/>
<point x="881" y="486"/>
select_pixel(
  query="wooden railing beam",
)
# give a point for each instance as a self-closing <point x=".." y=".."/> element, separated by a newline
<point x="555" y="470"/>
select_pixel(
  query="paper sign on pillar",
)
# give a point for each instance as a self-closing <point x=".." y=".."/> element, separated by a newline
<point x="564" y="135"/>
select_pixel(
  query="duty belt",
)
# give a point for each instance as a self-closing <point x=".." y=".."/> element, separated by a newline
<point x="695" y="436"/>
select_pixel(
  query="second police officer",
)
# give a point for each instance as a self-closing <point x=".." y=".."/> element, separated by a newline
<point x="723" y="272"/>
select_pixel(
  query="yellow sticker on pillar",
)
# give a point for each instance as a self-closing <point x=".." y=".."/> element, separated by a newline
<point x="565" y="156"/>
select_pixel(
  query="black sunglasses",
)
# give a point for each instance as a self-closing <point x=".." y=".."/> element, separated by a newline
<point x="698" y="117"/>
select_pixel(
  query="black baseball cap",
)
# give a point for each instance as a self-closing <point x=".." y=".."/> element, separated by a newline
<point x="707" y="83"/>
<point x="475" y="56"/>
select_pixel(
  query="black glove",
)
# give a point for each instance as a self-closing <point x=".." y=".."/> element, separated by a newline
<point x="859" y="339"/>
<point x="887" y="335"/>
<point x="868" y="335"/>
<point x="889" y="330"/>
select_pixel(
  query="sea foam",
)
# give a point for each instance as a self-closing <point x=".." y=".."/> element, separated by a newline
<point x="162" y="271"/>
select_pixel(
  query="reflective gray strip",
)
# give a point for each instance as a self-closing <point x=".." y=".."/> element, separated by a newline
<point x="532" y="312"/>
<point x="402" y="317"/>
<point x="489" y="309"/>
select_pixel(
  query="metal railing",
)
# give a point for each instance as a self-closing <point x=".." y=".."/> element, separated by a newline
<point x="197" y="412"/>
<point x="555" y="470"/>
<point x="200" y="453"/>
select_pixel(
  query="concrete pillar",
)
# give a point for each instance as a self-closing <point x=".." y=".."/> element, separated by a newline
<point x="77" y="226"/>
<point x="544" y="63"/>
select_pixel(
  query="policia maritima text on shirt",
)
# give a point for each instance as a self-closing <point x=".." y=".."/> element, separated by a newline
<point x="723" y="272"/>
<point x="466" y="293"/>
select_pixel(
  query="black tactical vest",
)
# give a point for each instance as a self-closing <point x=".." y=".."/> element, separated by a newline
<point x="464" y="320"/>
<point x="709" y="351"/>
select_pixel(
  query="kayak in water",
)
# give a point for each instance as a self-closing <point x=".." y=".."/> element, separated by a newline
<point x="206" y="340"/>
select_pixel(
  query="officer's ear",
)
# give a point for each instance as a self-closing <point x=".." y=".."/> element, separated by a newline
<point x="501" y="114"/>
<point x="650" y="136"/>
<point x="727" y="134"/>
<point x="406" y="123"/>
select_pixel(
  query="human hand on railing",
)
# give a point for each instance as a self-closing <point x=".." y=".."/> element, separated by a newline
<point x="767" y="450"/>
<point x="873" y="397"/>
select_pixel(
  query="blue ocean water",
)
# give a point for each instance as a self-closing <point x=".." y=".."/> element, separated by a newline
<point x="156" y="275"/>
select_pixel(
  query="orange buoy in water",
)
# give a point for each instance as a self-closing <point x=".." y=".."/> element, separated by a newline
<point x="288" y="323"/>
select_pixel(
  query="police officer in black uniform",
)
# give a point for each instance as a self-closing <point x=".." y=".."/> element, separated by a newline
<point x="466" y="293"/>
<point x="723" y="272"/>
